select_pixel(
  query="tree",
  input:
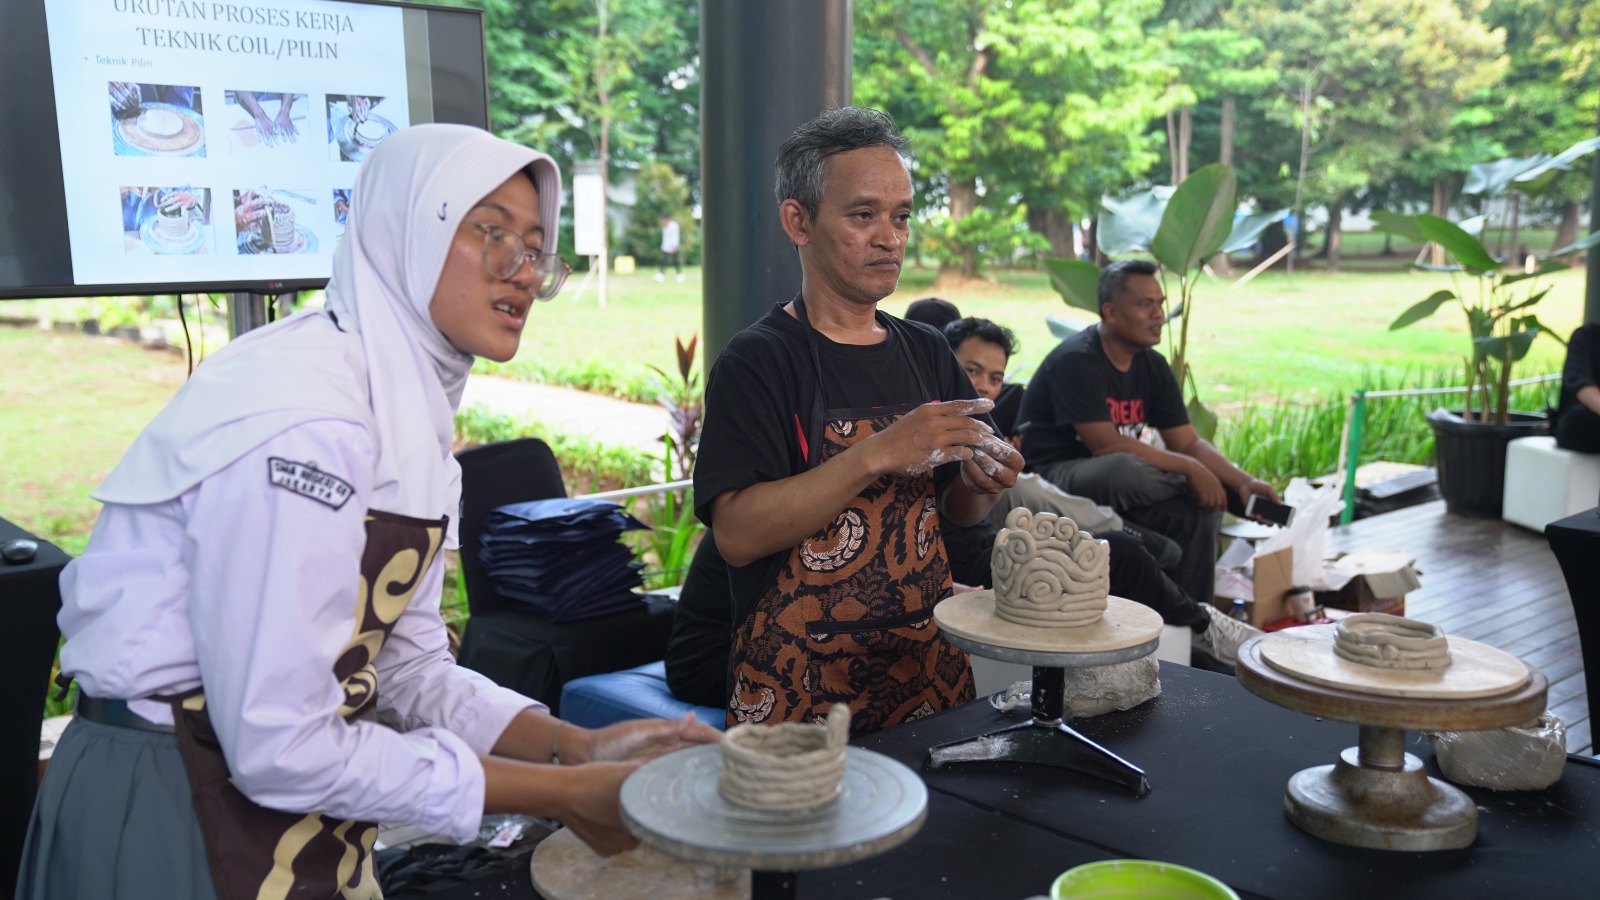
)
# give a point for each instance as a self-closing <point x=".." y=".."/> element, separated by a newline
<point x="1365" y="82"/>
<point x="660" y="192"/>
<point x="1011" y="105"/>
<point x="1548" y="97"/>
<point x="1218" y="64"/>
<point x="561" y="82"/>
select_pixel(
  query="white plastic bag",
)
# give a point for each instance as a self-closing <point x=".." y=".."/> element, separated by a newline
<point x="1313" y="507"/>
<point x="1527" y="757"/>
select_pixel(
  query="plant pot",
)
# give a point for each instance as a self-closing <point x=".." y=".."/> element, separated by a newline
<point x="1471" y="458"/>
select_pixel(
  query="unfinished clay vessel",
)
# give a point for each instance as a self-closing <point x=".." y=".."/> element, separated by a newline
<point x="787" y="767"/>
<point x="1391" y="642"/>
<point x="1048" y="572"/>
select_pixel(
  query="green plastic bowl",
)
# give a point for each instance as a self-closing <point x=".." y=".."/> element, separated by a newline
<point x="1138" y="879"/>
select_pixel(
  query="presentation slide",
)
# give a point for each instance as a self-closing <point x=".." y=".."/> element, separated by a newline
<point x="214" y="142"/>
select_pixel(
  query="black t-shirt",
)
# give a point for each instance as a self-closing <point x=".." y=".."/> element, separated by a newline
<point x="1077" y="383"/>
<point x="764" y="412"/>
<point x="1582" y="368"/>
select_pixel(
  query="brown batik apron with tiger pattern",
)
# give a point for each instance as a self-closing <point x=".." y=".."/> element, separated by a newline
<point x="261" y="854"/>
<point x="849" y="618"/>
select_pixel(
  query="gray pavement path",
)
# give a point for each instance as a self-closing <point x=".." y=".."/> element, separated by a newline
<point x="607" y="420"/>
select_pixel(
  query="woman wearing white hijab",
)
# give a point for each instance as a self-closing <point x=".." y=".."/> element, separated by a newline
<point x="263" y="581"/>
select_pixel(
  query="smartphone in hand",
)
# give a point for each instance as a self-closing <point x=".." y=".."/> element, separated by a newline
<point x="1262" y="506"/>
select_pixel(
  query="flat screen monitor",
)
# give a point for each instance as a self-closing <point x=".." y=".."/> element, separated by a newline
<point x="167" y="146"/>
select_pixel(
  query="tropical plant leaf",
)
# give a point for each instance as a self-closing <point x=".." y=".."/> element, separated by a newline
<point x="1202" y="419"/>
<point x="1422" y="310"/>
<point x="1533" y="321"/>
<point x="1467" y="250"/>
<point x="1592" y="240"/>
<point x="1130" y="223"/>
<point x="1492" y="178"/>
<point x="1061" y="328"/>
<point x="1517" y="342"/>
<point x="1534" y="179"/>
<point x="1529" y="301"/>
<point x="1247" y="230"/>
<point x="1399" y="225"/>
<point x="1197" y="220"/>
<point x="1077" y="281"/>
<point x="1479" y="323"/>
<point x="1515" y="277"/>
<point x="1177" y="312"/>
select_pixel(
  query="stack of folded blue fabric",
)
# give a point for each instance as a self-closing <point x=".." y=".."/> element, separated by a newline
<point x="562" y="558"/>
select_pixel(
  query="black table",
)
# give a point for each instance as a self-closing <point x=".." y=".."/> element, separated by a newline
<point x="30" y="597"/>
<point x="1575" y="541"/>
<point x="1218" y="759"/>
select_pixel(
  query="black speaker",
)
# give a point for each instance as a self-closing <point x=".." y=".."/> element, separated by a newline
<point x="30" y="597"/>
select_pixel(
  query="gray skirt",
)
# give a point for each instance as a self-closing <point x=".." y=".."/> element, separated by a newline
<point x="114" y="820"/>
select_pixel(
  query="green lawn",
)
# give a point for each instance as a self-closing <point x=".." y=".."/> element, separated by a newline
<point x="1300" y="336"/>
<point x="69" y="406"/>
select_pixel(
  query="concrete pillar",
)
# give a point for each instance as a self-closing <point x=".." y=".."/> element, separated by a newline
<point x="766" y="67"/>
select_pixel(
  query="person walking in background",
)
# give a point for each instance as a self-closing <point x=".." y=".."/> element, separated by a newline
<point x="671" y="243"/>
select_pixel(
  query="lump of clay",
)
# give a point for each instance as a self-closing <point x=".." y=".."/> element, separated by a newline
<point x="789" y="766"/>
<point x="1391" y="642"/>
<point x="1048" y="572"/>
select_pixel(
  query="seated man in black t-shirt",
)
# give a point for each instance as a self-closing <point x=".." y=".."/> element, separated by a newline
<point x="984" y="349"/>
<point x="1092" y="413"/>
<point x="1578" y="416"/>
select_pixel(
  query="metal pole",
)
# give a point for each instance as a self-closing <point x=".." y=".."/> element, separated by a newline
<point x="1591" y="302"/>
<point x="1358" y="416"/>
<point x="246" y="310"/>
<point x="765" y="68"/>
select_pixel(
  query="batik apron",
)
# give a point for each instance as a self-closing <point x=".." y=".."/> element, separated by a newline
<point x="261" y="854"/>
<point x="849" y="618"/>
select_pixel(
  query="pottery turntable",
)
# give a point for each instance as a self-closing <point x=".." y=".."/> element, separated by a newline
<point x="160" y="129"/>
<point x="356" y="140"/>
<point x="1377" y="795"/>
<point x="1128" y="631"/>
<point x="738" y="819"/>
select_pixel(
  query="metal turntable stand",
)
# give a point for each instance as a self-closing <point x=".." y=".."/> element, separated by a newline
<point x="1377" y="795"/>
<point x="1128" y="631"/>
<point x="672" y="804"/>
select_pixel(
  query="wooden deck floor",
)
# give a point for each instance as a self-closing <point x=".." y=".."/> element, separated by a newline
<point x="1495" y="583"/>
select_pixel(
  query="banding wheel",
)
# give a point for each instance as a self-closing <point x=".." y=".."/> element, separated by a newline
<point x="1377" y="795"/>
<point x="1128" y="631"/>
<point x="672" y="804"/>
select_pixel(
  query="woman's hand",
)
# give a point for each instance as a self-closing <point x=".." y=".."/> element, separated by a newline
<point x="593" y="808"/>
<point x="637" y="740"/>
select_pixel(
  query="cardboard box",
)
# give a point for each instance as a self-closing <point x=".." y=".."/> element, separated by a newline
<point x="1274" y="576"/>
<point x="1370" y="581"/>
<point x="1263" y="589"/>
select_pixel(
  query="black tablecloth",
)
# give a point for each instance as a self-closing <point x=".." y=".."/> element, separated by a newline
<point x="1575" y="541"/>
<point x="30" y="597"/>
<point x="1218" y="759"/>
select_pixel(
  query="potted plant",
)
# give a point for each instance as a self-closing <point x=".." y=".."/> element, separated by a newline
<point x="1470" y="442"/>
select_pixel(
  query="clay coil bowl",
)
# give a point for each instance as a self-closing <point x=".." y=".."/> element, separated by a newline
<point x="789" y="766"/>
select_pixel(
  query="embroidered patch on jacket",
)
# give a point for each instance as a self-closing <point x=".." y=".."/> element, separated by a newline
<point x="305" y="479"/>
